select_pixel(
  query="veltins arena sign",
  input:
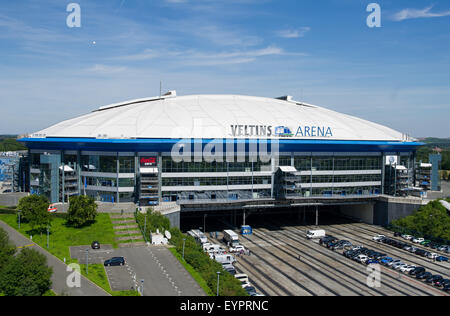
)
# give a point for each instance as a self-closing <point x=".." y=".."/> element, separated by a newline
<point x="280" y="131"/>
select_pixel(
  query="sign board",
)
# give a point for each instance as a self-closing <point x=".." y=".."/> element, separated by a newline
<point x="147" y="161"/>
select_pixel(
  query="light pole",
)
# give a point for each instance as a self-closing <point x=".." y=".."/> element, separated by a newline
<point x="18" y="212"/>
<point x="204" y="223"/>
<point x="145" y="227"/>
<point x="87" y="261"/>
<point x="184" y="242"/>
<point x="142" y="287"/>
<point x="218" y="280"/>
<point x="48" y="236"/>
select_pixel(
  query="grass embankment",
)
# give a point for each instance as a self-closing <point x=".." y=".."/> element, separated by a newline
<point x="197" y="277"/>
<point x="63" y="236"/>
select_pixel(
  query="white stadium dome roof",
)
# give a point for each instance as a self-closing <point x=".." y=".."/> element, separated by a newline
<point x="218" y="117"/>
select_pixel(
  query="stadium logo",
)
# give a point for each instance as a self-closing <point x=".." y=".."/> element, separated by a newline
<point x="283" y="131"/>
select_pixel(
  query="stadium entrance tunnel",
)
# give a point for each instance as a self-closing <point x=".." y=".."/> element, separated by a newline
<point x="273" y="218"/>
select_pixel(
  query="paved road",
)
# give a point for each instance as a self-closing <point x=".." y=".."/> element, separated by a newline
<point x="60" y="274"/>
<point x="162" y="273"/>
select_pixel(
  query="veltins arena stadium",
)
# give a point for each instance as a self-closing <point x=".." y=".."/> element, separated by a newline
<point x="224" y="152"/>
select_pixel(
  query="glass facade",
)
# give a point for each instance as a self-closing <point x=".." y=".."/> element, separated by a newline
<point x="119" y="177"/>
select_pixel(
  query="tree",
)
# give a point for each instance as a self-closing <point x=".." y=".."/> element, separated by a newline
<point x="82" y="210"/>
<point x="7" y="249"/>
<point x="27" y="274"/>
<point x="35" y="211"/>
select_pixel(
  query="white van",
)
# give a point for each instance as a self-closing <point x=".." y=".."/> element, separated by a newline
<point x="224" y="259"/>
<point x="319" y="233"/>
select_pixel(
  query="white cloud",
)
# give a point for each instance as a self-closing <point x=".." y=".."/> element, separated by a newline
<point x="294" y="33"/>
<point x="418" y="13"/>
<point x="105" y="69"/>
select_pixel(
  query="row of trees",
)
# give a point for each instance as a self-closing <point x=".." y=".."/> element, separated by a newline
<point x="431" y="221"/>
<point x="34" y="210"/>
<point x="24" y="274"/>
<point x="193" y="254"/>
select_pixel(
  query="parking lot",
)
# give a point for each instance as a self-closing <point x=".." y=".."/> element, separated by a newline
<point x="161" y="272"/>
<point x="283" y="262"/>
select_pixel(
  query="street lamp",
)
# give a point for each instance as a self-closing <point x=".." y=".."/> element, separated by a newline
<point x="204" y="223"/>
<point x="18" y="212"/>
<point x="87" y="261"/>
<point x="142" y="287"/>
<point x="218" y="280"/>
<point x="184" y="242"/>
<point x="48" y="236"/>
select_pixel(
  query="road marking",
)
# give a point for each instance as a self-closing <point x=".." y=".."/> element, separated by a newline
<point x="30" y="245"/>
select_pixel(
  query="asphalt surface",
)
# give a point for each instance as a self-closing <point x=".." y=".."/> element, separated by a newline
<point x="161" y="272"/>
<point x="60" y="274"/>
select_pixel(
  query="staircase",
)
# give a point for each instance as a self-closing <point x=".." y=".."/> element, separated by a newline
<point x="126" y="230"/>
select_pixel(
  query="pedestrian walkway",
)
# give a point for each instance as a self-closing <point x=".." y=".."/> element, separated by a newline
<point x="60" y="273"/>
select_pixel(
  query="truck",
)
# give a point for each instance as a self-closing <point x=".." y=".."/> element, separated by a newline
<point x="198" y="235"/>
<point x="312" y="234"/>
<point x="231" y="238"/>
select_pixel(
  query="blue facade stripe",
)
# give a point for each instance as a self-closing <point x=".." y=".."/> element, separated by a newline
<point x="165" y="145"/>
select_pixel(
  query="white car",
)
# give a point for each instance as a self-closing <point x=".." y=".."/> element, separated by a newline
<point x="406" y="268"/>
<point x="418" y="240"/>
<point x="396" y="261"/>
<point x="237" y="248"/>
<point x="433" y="255"/>
<point x="362" y="258"/>
<point x="398" y="265"/>
<point x="378" y="237"/>
<point x="407" y="237"/>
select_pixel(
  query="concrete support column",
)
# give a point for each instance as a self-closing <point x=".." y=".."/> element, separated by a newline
<point x="317" y="215"/>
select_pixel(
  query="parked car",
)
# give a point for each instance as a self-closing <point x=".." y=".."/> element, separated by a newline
<point x="439" y="282"/>
<point x="250" y="290"/>
<point x="407" y="268"/>
<point x="115" y="261"/>
<point x="441" y="259"/>
<point x="362" y="258"/>
<point x="443" y="248"/>
<point x="327" y="239"/>
<point x="423" y="275"/>
<point x="95" y="245"/>
<point x="386" y="260"/>
<point x="237" y="248"/>
<point x="396" y="234"/>
<point x="398" y="266"/>
<point x="372" y="261"/>
<point x="432" y="255"/>
<point x="417" y="271"/>
<point x="230" y="269"/>
<point x="407" y="237"/>
<point x="378" y="238"/>
<point x="418" y="240"/>
<point x="396" y="261"/>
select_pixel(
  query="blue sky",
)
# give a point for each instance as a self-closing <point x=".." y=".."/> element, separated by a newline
<point x="320" y="52"/>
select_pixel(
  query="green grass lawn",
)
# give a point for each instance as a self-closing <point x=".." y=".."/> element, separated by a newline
<point x="62" y="237"/>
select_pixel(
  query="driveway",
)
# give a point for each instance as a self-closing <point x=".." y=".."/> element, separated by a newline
<point x="161" y="272"/>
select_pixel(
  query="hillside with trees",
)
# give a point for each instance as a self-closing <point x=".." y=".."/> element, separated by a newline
<point x="10" y="143"/>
